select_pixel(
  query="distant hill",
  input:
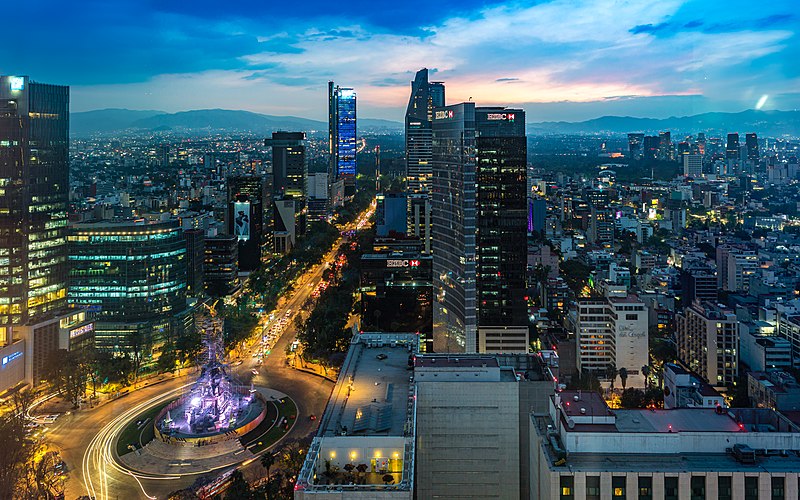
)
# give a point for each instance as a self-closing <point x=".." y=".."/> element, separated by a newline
<point x="773" y="123"/>
<point x="117" y="120"/>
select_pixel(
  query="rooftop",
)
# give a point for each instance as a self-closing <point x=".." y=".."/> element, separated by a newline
<point x="464" y="361"/>
<point x="372" y="393"/>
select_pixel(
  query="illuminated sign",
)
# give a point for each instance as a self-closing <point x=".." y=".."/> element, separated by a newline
<point x="241" y="220"/>
<point x="16" y="83"/>
<point x="402" y="263"/>
<point x="11" y="357"/>
<point x="500" y="117"/>
<point x="442" y="115"/>
<point x="81" y="330"/>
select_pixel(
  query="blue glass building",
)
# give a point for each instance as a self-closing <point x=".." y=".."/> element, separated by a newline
<point x="342" y="135"/>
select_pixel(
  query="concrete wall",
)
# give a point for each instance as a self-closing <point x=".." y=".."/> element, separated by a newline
<point x="468" y="440"/>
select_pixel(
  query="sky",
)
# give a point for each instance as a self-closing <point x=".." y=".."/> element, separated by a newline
<point x="565" y="60"/>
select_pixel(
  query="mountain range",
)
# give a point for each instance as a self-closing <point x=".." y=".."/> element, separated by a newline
<point x="108" y="121"/>
<point x="765" y="123"/>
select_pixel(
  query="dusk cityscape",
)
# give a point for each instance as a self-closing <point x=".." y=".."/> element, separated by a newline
<point x="472" y="249"/>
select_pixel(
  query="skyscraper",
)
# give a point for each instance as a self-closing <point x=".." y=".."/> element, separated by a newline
<point x="246" y="218"/>
<point x="34" y="190"/>
<point x="425" y="96"/>
<point x="751" y="142"/>
<point x="342" y="135"/>
<point x="732" y="149"/>
<point x="635" y="144"/>
<point x="289" y="164"/>
<point x="479" y="229"/>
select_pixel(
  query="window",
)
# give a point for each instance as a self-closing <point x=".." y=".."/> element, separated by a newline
<point x="567" y="487"/>
<point x="725" y="487"/>
<point x="618" y="486"/>
<point x="698" y="487"/>
<point x="592" y="487"/>
<point x="777" y="488"/>
<point x="645" y="488"/>
<point x="671" y="488"/>
<point x="750" y="488"/>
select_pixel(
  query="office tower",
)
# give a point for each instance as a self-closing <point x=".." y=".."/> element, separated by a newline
<point x="635" y="145"/>
<point x="751" y="142"/>
<point x="246" y="218"/>
<point x="698" y="283"/>
<point x="735" y="265"/>
<point x="701" y="143"/>
<point x="390" y="214"/>
<point x="693" y="165"/>
<point x="651" y="145"/>
<point x="707" y="338"/>
<point x="195" y="257"/>
<point x="732" y="149"/>
<point x="289" y="165"/>
<point x="221" y="264"/>
<point x="665" y="148"/>
<point x="419" y="219"/>
<point x="425" y="96"/>
<point x="162" y="155"/>
<point x="397" y="294"/>
<point x="479" y="227"/>
<point x="537" y="213"/>
<point x="613" y="331"/>
<point x="601" y="219"/>
<point x="342" y="136"/>
<point x="284" y="233"/>
<point x="317" y="201"/>
<point x="34" y="181"/>
<point x="133" y="277"/>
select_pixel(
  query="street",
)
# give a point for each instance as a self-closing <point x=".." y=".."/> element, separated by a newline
<point x="86" y="438"/>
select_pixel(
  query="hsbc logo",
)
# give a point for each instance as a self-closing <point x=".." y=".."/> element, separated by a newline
<point x="444" y="115"/>
<point x="509" y="117"/>
<point x="402" y="263"/>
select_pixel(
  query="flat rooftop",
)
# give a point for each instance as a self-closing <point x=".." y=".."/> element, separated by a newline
<point x="372" y="394"/>
<point x="677" y="463"/>
<point x="465" y="361"/>
<point x="675" y="420"/>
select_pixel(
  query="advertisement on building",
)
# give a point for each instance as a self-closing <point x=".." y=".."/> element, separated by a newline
<point x="241" y="220"/>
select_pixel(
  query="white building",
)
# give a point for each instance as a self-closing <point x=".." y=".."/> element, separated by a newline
<point x="583" y="450"/>
<point x="708" y="341"/>
<point x="613" y="330"/>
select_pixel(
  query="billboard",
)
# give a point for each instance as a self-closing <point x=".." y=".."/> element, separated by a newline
<point x="241" y="220"/>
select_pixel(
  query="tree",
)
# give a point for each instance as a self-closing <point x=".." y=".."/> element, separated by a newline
<point x="239" y="488"/>
<point x="67" y="373"/>
<point x="18" y="450"/>
<point x="632" y="398"/>
<point x="611" y="373"/>
<point x="623" y="377"/>
<point x="268" y="460"/>
<point x="576" y="274"/>
<point x="646" y="374"/>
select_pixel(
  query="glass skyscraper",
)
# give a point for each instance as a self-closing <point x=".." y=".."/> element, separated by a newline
<point x="133" y="276"/>
<point x="34" y="191"/>
<point x="342" y="135"/>
<point x="479" y="229"/>
<point x="425" y="96"/>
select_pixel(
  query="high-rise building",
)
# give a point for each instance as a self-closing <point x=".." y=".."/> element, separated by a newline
<point x="221" y="264"/>
<point x="651" y="146"/>
<point x="732" y="148"/>
<point x="195" y="257"/>
<point x="537" y="213"/>
<point x="390" y="214"/>
<point x="613" y="331"/>
<point x="317" y="201"/>
<point x="635" y="145"/>
<point x="665" y="147"/>
<point x="692" y="165"/>
<point x="419" y="219"/>
<point x="132" y="276"/>
<point x="284" y="233"/>
<point x="751" y="143"/>
<point x="479" y="227"/>
<point x="342" y="136"/>
<point x="289" y="165"/>
<point x="246" y="218"/>
<point x="34" y="182"/>
<point x="425" y="96"/>
<point x="707" y="338"/>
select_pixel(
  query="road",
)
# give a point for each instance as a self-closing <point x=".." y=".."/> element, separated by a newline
<point x="86" y="438"/>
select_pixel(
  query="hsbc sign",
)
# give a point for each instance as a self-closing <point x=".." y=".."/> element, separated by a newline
<point x="402" y="263"/>
<point x="444" y="115"/>
<point x="508" y="117"/>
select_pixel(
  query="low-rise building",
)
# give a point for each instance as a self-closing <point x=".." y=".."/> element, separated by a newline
<point x="775" y="389"/>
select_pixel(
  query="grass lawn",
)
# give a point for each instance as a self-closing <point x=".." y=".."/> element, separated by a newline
<point x="289" y="410"/>
<point x="139" y="436"/>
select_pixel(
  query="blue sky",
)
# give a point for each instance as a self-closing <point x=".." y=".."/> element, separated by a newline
<point x="560" y="59"/>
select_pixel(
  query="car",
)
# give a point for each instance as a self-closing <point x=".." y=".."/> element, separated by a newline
<point x="381" y="356"/>
<point x="312" y="417"/>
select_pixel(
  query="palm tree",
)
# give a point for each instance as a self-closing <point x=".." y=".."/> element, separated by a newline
<point x="612" y="372"/>
<point x="646" y="373"/>
<point x="623" y="377"/>
<point x="268" y="460"/>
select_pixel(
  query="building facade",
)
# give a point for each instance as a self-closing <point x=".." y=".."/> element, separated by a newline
<point x="707" y="338"/>
<point x="342" y="136"/>
<point x="425" y="96"/>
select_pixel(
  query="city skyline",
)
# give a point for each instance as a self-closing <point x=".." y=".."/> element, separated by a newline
<point x="557" y="60"/>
